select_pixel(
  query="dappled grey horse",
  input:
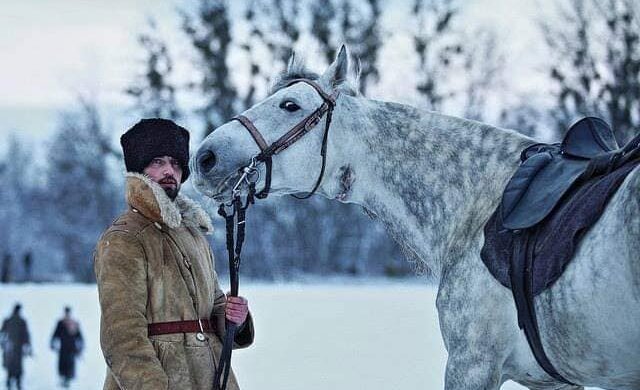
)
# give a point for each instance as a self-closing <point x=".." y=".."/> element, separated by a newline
<point x="434" y="181"/>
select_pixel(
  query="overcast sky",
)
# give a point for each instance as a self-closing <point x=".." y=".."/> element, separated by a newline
<point x="53" y="49"/>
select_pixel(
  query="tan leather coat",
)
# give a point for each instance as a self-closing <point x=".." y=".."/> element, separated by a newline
<point x="153" y="264"/>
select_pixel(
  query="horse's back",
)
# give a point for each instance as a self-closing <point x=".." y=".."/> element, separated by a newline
<point x="589" y="318"/>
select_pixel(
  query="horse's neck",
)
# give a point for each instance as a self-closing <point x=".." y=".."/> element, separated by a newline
<point x="431" y="179"/>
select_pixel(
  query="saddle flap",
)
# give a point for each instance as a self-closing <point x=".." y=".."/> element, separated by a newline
<point x="588" y="138"/>
<point x="520" y="181"/>
<point x="536" y="188"/>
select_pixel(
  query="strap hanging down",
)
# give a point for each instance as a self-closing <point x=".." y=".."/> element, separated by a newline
<point x="262" y="144"/>
<point x="521" y="275"/>
<point x="235" y="239"/>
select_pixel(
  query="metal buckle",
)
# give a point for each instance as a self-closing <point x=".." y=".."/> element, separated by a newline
<point x="200" y="335"/>
<point x="313" y="120"/>
<point x="247" y="173"/>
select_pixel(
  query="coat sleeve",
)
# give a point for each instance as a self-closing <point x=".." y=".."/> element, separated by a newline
<point x="121" y="273"/>
<point x="26" y="337"/>
<point x="245" y="333"/>
<point x="79" y="341"/>
<point x="57" y="333"/>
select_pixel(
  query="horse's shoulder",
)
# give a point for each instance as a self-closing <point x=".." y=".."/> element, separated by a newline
<point x="633" y="180"/>
<point x="629" y="191"/>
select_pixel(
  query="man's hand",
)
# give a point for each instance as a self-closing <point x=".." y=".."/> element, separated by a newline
<point x="237" y="309"/>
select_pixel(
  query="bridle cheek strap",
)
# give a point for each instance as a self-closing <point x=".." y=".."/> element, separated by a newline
<point x="262" y="144"/>
<point x="293" y="135"/>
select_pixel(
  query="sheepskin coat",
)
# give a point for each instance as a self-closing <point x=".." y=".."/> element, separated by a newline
<point x="153" y="264"/>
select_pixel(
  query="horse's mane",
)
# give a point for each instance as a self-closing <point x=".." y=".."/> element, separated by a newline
<point x="297" y="69"/>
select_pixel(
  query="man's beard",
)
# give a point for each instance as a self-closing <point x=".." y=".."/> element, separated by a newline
<point x="172" y="193"/>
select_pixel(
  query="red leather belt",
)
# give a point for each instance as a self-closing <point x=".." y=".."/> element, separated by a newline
<point x="193" y="326"/>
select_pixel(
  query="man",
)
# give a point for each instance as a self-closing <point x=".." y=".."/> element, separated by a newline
<point x="5" y="273"/>
<point x="67" y="340"/>
<point x="163" y="313"/>
<point x="14" y="339"/>
<point x="27" y="260"/>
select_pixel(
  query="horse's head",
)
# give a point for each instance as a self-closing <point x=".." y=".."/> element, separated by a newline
<point x="218" y="162"/>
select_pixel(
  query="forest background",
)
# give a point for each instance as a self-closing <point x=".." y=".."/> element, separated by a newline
<point x="76" y="75"/>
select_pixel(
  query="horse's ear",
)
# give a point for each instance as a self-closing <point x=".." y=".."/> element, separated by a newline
<point x="336" y="73"/>
<point x="292" y="61"/>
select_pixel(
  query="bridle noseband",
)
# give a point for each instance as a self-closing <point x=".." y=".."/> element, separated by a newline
<point x="235" y="222"/>
<point x="293" y="135"/>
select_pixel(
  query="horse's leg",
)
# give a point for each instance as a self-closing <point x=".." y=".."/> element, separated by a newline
<point x="478" y="323"/>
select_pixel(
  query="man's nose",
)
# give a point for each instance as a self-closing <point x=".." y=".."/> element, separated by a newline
<point x="169" y="170"/>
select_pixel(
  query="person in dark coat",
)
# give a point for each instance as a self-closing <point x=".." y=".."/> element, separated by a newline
<point x="27" y="260"/>
<point x="14" y="339"/>
<point x="5" y="272"/>
<point x="67" y="340"/>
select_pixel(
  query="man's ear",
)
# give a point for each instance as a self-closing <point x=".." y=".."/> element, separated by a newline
<point x="336" y="73"/>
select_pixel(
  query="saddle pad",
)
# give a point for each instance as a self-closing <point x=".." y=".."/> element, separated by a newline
<point x="556" y="237"/>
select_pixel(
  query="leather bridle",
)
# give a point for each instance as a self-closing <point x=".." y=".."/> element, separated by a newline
<point x="235" y="221"/>
<point x="291" y="136"/>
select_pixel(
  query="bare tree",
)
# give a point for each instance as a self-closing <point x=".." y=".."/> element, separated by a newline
<point x="482" y="65"/>
<point x="153" y="93"/>
<point x="595" y="70"/>
<point x="456" y="68"/>
<point x="523" y="117"/>
<point x="81" y="195"/>
<point x="357" y="23"/>
<point x="432" y="44"/>
<point x="208" y="27"/>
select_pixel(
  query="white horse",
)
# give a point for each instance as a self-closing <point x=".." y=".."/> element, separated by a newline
<point x="433" y="181"/>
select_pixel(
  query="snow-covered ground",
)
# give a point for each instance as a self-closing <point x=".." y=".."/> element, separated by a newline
<point x="373" y="335"/>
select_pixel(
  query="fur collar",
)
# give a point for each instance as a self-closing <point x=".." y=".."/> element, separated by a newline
<point x="148" y="197"/>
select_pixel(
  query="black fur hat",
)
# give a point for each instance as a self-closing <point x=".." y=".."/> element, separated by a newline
<point x="156" y="137"/>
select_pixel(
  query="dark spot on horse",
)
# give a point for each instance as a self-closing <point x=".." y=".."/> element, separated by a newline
<point x="347" y="178"/>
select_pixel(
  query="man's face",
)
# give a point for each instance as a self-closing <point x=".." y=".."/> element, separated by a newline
<point x="167" y="172"/>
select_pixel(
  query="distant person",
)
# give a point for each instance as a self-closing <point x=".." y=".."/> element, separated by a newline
<point x="67" y="340"/>
<point x="5" y="273"/>
<point x="27" y="260"/>
<point x="14" y="339"/>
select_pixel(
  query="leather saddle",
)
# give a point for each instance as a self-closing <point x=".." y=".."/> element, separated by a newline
<point x="547" y="172"/>
<point x="554" y="197"/>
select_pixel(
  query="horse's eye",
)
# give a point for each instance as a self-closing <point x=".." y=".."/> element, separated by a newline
<point x="289" y="106"/>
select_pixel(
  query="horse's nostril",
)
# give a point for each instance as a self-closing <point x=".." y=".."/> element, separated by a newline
<point x="206" y="160"/>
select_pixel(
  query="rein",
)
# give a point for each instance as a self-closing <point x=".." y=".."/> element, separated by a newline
<point x="235" y="221"/>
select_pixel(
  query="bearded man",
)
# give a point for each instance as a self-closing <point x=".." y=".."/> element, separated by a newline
<point x="163" y="313"/>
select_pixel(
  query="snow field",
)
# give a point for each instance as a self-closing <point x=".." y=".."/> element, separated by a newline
<point x="339" y="335"/>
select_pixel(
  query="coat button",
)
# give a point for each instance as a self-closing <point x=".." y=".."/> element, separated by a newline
<point x="200" y="336"/>
<point x="158" y="225"/>
<point x="187" y="263"/>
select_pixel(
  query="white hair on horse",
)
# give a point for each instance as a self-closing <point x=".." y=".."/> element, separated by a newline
<point x="297" y="69"/>
<point x="433" y="181"/>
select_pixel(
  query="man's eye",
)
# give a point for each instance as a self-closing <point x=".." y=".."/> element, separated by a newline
<point x="289" y="106"/>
